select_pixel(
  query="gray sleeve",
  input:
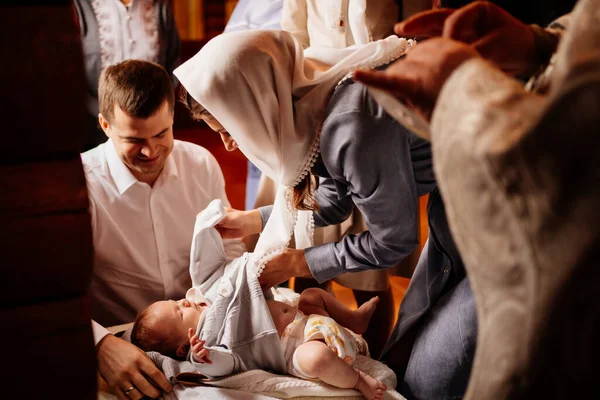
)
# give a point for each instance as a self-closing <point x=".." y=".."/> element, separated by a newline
<point x="332" y="210"/>
<point x="224" y="362"/>
<point x="265" y="214"/>
<point x="369" y="153"/>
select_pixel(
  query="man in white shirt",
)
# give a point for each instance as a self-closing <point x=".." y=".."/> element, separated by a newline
<point x="145" y="189"/>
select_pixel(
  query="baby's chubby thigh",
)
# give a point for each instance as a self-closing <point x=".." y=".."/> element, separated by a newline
<point x="314" y="359"/>
<point x="283" y="314"/>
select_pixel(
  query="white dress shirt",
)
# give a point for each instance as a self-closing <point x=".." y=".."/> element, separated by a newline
<point x="338" y="23"/>
<point x="142" y="235"/>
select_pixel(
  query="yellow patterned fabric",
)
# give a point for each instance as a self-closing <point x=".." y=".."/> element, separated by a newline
<point x="342" y="341"/>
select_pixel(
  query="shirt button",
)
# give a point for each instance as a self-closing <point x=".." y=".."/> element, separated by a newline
<point x="446" y="269"/>
<point x="128" y="18"/>
<point x="131" y="41"/>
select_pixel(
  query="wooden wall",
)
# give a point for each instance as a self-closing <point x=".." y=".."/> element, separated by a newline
<point x="45" y="235"/>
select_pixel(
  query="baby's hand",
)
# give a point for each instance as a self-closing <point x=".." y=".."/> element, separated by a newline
<point x="199" y="353"/>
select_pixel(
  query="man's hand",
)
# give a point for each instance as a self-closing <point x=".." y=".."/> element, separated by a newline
<point x="417" y="79"/>
<point x="494" y="33"/>
<point x="122" y="365"/>
<point x="239" y="224"/>
<point x="291" y="263"/>
<point x="199" y="353"/>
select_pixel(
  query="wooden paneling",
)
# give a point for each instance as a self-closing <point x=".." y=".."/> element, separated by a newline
<point x="45" y="240"/>
<point x="189" y="16"/>
<point x="201" y="19"/>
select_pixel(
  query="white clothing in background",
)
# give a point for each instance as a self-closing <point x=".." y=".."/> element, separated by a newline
<point x="339" y="23"/>
<point x="255" y="14"/>
<point x="142" y="235"/>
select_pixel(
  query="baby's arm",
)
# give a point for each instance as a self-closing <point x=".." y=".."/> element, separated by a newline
<point x="212" y="361"/>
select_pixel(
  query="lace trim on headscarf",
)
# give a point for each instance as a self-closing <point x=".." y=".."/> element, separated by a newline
<point x="266" y="256"/>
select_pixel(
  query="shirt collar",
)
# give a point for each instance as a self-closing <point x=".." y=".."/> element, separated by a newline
<point x="122" y="176"/>
<point x="170" y="169"/>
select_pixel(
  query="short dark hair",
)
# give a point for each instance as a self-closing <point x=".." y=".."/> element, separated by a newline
<point x="138" y="87"/>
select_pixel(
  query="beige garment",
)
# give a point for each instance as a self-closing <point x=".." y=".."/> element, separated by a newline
<point x="519" y="174"/>
<point x="371" y="280"/>
<point x="339" y="23"/>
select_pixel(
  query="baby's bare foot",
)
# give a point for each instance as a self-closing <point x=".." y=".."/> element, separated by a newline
<point x="370" y="387"/>
<point x="363" y="315"/>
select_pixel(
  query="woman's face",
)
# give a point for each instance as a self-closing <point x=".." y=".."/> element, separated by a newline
<point x="199" y="112"/>
<point x="228" y="141"/>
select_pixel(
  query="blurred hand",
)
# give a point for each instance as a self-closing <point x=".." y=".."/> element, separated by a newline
<point x="199" y="353"/>
<point x="291" y="263"/>
<point x="122" y="365"/>
<point x="494" y="33"/>
<point x="239" y="224"/>
<point x="417" y="79"/>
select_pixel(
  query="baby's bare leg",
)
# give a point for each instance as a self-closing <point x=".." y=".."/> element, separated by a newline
<point x="321" y="302"/>
<point x="317" y="360"/>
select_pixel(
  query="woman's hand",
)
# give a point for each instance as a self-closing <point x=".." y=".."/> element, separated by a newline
<point x="239" y="224"/>
<point x="291" y="263"/>
<point x="495" y="34"/>
<point x="199" y="353"/>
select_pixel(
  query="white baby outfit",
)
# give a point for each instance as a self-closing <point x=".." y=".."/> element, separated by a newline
<point x="210" y="269"/>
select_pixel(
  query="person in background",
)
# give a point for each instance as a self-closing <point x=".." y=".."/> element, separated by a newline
<point x="117" y="30"/>
<point x="145" y="190"/>
<point x="339" y="24"/>
<point x="255" y="14"/>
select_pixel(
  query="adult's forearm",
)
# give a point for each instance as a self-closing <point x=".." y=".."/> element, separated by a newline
<point x="355" y="253"/>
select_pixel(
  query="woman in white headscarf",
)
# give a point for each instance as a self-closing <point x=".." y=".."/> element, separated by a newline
<point x="292" y="117"/>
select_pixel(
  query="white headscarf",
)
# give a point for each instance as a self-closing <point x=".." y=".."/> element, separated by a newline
<point x="271" y="99"/>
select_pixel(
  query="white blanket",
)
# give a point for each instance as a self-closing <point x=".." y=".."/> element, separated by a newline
<point x="286" y="387"/>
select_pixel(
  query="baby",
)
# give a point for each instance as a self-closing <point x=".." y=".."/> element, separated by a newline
<point x="320" y="338"/>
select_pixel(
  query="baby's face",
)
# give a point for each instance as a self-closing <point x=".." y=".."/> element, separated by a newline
<point x="176" y="317"/>
<point x="282" y="314"/>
